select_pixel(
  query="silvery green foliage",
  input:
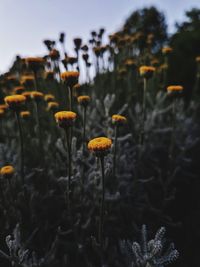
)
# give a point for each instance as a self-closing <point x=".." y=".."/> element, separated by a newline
<point x="151" y="253"/>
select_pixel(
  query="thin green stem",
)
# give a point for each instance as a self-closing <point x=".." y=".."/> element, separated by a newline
<point x="39" y="133"/>
<point x="70" y="97"/>
<point x="101" y="222"/>
<point x="173" y="129"/>
<point x="21" y="146"/>
<point x="84" y="125"/>
<point x="143" y="111"/>
<point x="115" y="150"/>
<point x="68" y="136"/>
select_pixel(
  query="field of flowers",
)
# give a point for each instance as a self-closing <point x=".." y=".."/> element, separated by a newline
<point x="93" y="173"/>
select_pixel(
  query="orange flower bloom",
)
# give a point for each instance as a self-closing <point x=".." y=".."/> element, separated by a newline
<point x="83" y="100"/>
<point x="15" y="102"/>
<point x="167" y="50"/>
<point x="70" y="77"/>
<point x="146" y="71"/>
<point x="37" y="96"/>
<point x="25" y="114"/>
<point x="118" y="119"/>
<point x="7" y="171"/>
<point x="174" y="88"/>
<point x="65" y="118"/>
<point x="100" y="145"/>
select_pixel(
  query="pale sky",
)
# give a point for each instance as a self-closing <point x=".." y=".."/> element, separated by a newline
<point x="24" y="24"/>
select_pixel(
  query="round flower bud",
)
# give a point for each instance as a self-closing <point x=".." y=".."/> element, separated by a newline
<point x="37" y="96"/>
<point x="27" y="95"/>
<point x="52" y="106"/>
<point x="2" y="112"/>
<point x="174" y="90"/>
<point x="146" y="71"/>
<point x="83" y="100"/>
<point x="25" y="114"/>
<point x="18" y="89"/>
<point x="167" y="50"/>
<point x="118" y="119"/>
<point x="65" y="118"/>
<point x="15" y="102"/>
<point x="49" y="97"/>
<point x="100" y="146"/>
<point x="70" y="77"/>
<point x="27" y="80"/>
<point x="7" y="171"/>
<point x="35" y="63"/>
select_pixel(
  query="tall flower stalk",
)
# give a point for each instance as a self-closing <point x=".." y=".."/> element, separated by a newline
<point x="84" y="101"/>
<point x="117" y="120"/>
<point x="70" y="78"/>
<point x="173" y="91"/>
<point x="146" y="72"/>
<point x="15" y="103"/>
<point x="100" y="146"/>
<point x="21" y="146"/>
<point x="65" y="120"/>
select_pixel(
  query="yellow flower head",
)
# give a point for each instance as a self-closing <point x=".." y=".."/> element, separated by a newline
<point x="2" y="111"/>
<point x="129" y="63"/>
<point x="27" y="79"/>
<point x="174" y="88"/>
<point x="18" y="89"/>
<point x="118" y="119"/>
<point x="3" y="106"/>
<point x="11" y="78"/>
<point x="7" y="171"/>
<point x="37" y="96"/>
<point x="166" y="50"/>
<point x="197" y="59"/>
<point x="83" y="100"/>
<point x="155" y="62"/>
<point x="70" y="77"/>
<point x="146" y="71"/>
<point x="25" y="114"/>
<point x="65" y="118"/>
<point x="15" y="102"/>
<point x="52" y="106"/>
<point x="49" y="97"/>
<point x="100" y="145"/>
<point x="27" y="95"/>
<point x="35" y="63"/>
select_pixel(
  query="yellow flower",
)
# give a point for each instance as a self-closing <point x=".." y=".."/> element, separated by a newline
<point x="11" y="78"/>
<point x="7" y="171"/>
<point x="174" y="88"/>
<point x="18" y="89"/>
<point x="37" y="96"/>
<point x="27" y="95"/>
<point x="27" y="79"/>
<point x="3" y="106"/>
<point x="129" y="63"/>
<point x="2" y="111"/>
<point x="52" y="106"/>
<point x="15" y="102"/>
<point x="100" y="145"/>
<point x="83" y="100"/>
<point x="25" y="114"/>
<point x="65" y="118"/>
<point x="155" y="62"/>
<point x="118" y="119"/>
<point x="167" y="50"/>
<point x="34" y="63"/>
<point x="146" y="71"/>
<point x="49" y="97"/>
<point x="70" y="77"/>
<point x="197" y="59"/>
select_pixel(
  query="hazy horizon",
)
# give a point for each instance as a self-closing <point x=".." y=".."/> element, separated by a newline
<point x="25" y="26"/>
